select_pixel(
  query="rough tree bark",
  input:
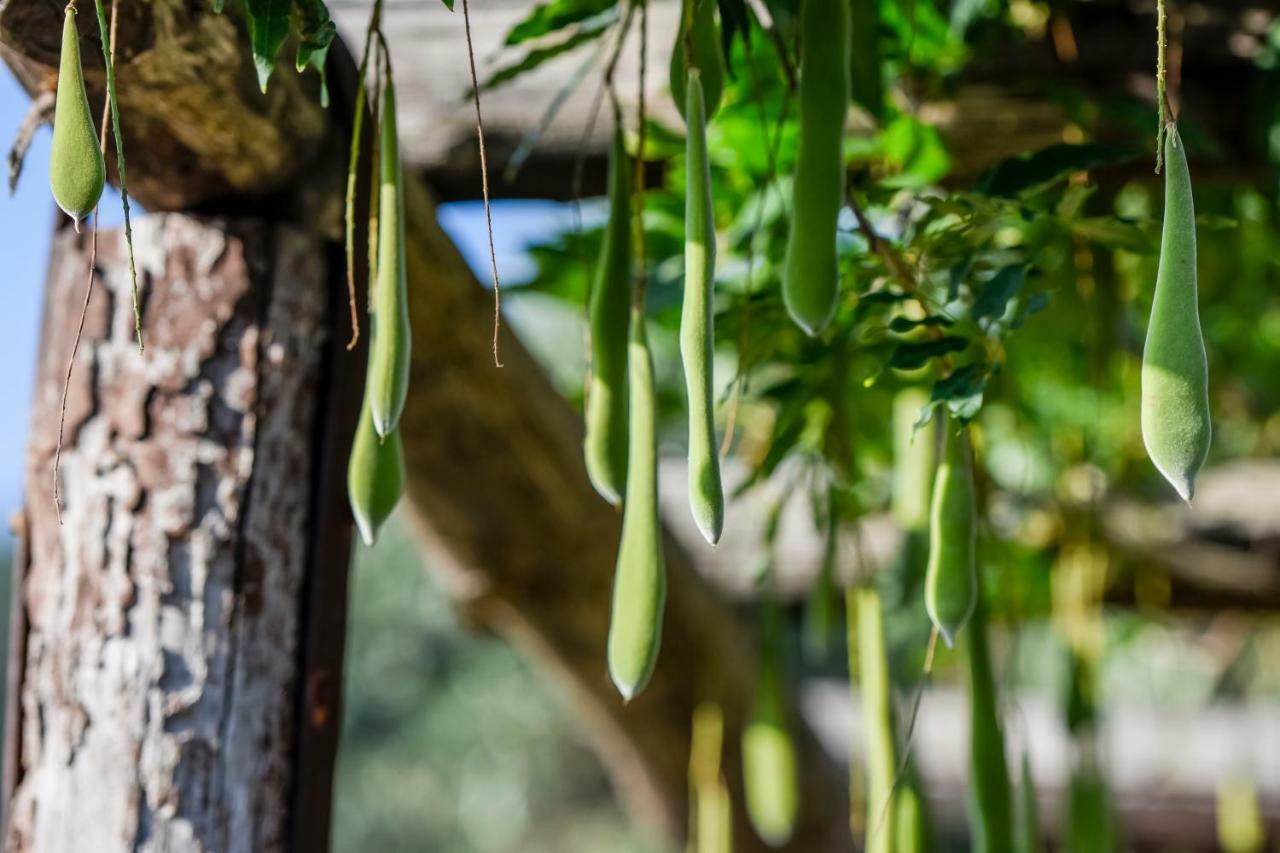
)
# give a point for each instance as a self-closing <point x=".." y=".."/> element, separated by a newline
<point x="162" y="616"/>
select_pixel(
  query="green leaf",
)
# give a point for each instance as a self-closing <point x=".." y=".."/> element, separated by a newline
<point x="883" y="296"/>
<point x="316" y="31"/>
<point x="910" y="355"/>
<point x="993" y="298"/>
<point x="269" y="22"/>
<point x="1029" y="172"/>
<point x="901" y="324"/>
<point x="553" y="16"/>
<point x="1034" y="304"/>
<point x="961" y="392"/>
<point x="734" y="22"/>
<point x="448" y="4"/>
<point x="1114" y="233"/>
<point x="534" y="58"/>
<point x="1216" y="222"/>
<point x="918" y="152"/>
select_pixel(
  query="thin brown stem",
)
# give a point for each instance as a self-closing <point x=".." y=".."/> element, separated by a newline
<point x="642" y="276"/>
<point x="771" y="153"/>
<point x="893" y="262"/>
<point x="909" y="738"/>
<point x="484" y="185"/>
<point x="353" y="168"/>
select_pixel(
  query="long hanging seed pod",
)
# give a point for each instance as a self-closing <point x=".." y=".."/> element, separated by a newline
<point x="951" y="578"/>
<point x="1175" y="373"/>
<point x="697" y="335"/>
<point x="699" y="37"/>
<point x="388" y="382"/>
<point x="77" y="173"/>
<point x="605" y="442"/>
<point x="1027" y="817"/>
<point x="811" y="274"/>
<point x="769" y="769"/>
<point x="990" y="796"/>
<point x="640" y="581"/>
<point x="375" y="476"/>
<point x="877" y="713"/>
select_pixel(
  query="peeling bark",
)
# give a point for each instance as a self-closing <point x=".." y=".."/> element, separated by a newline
<point x="157" y="710"/>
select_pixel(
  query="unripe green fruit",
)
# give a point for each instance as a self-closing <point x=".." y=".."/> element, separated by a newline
<point x="990" y="799"/>
<point x="951" y="578"/>
<point x="640" y="581"/>
<point x="811" y="275"/>
<point x="1175" y="373"/>
<point x="877" y="715"/>
<point x="77" y="173"/>
<point x="697" y="333"/>
<point x="605" y="443"/>
<point x="699" y="16"/>
<point x="769" y="770"/>
<point x="375" y="476"/>
<point x="388" y="382"/>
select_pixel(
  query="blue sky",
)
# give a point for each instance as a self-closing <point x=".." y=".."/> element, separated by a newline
<point x="26" y="220"/>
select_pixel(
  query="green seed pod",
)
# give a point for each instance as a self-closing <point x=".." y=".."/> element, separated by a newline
<point x="698" y="30"/>
<point x="951" y="578"/>
<point x="375" y="476"/>
<point x="810" y="277"/>
<point x="768" y="754"/>
<point x="1027" y="830"/>
<point x="991" y="823"/>
<point x="605" y="444"/>
<point x="1175" y="372"/>
<point x="77" y="173"/>
<point x="1089" y="827"/>
<point x="388" y="382"/>
<point x="912" y="833"/>
<point x="697" y="334"/>
<point x="640" y="582"/>
<point x="877" y="715"/>
<point x="914" y="460"/>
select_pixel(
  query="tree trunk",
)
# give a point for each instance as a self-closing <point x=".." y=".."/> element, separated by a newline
<point x="160" y="691"/>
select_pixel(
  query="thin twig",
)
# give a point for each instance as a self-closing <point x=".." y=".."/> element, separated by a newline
<point x="909" y="738"/>
<point x="642" y="274"/>
<point x="108" y="59"/>
<point x="353" y="168"/>
<point x="39" y="113"/>
<point x="375" y="171"/>
<point x="484" y="186"/>
<point x="771" y="153"/>
<point x="88" y="294"/>
<point x="1162" y="96"/>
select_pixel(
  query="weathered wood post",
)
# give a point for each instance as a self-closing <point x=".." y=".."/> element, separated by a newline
<point x="162" y="692"/>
